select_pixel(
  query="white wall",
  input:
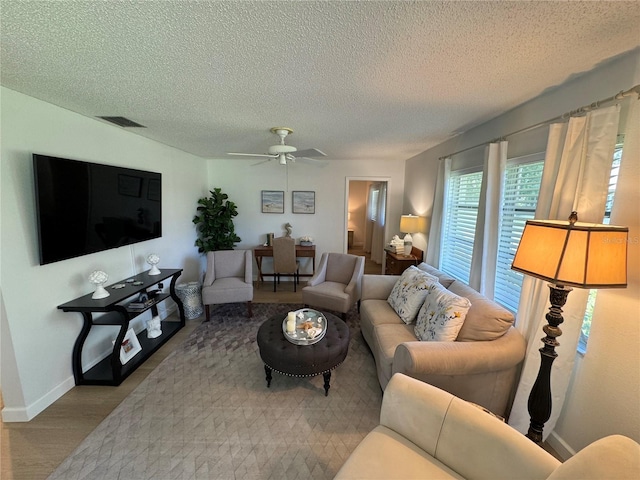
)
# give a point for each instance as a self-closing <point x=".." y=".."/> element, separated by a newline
<point x="37" y="339"/>
<point x="604" y="397"/>
<point x="243" y="183"/>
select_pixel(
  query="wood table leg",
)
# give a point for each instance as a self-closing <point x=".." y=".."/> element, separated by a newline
<point x="267" y="370"/>
<point x="259" y="264"/>
<point x="327" y="378"/>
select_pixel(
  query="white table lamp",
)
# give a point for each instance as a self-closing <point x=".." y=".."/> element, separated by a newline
<point x="410" y="224"/>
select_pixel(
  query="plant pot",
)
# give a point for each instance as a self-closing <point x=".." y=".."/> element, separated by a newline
<point x="306" y="244"/>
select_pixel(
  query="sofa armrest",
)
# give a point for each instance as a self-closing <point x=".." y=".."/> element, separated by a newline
<point x="320" y="274"/>
<point x="248" y="267"/>
<point x="459" y="358"/>
<point x="461" y="436"/>
<point x="378" y="287"/>
<point x="354" y="287"/>
<point x="614" y="456"/>
<point x="415" y="410"/>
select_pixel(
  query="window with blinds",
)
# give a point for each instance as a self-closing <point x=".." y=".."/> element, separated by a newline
<point x="459" y="226"/>
<point x="520" y="197"/>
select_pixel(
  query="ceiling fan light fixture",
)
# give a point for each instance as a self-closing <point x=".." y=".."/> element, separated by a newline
<point x="285" y="153"/>
<point x="280" y="149"/>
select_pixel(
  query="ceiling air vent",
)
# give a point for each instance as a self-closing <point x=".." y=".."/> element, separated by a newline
<point x="122" y="122"/>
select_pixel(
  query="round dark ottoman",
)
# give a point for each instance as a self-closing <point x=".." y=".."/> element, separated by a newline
<point x="284" y="357"/>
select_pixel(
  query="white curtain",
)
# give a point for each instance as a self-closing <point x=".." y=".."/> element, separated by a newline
<point x="485" y="244"/>
<point x="377" y="238"/>
<point x="368" y="226"/>
<point x="435" y="231"/>
<point x="575" y="177"/>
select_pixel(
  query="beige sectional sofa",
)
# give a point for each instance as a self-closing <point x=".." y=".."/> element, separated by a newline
<point x="481" y="366"/>
<point x="427" y="433"/>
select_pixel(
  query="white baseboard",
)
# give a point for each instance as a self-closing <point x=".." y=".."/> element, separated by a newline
<point x="24" y="414"/>
<point x="560" y="446"/>
<point x="29" y="412"/>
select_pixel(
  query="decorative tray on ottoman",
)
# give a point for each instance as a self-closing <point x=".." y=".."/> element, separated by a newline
<point x="311" y="327"/>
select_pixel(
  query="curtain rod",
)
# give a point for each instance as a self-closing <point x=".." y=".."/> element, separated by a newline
<point x="592" y="106"/>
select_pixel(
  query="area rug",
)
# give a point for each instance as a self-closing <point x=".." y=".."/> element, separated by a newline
<point x="206" y="413"/>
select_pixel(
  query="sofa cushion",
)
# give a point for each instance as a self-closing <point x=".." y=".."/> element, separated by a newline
<point x="486" y="320"/>
<point x="441" y="316"/>
<point x="409" y="293"/>
<point x="384" y="454"/>
<point x="377" y="312"/>
<point x="444" y="279"/>
<point x="387" y="338"/>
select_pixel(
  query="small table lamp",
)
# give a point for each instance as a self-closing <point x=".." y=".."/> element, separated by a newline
<point x="566" y="254"/>
<point x="410" y="224"/>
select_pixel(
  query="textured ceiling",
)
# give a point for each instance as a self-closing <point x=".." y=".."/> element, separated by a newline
<point x="356" y="79"/>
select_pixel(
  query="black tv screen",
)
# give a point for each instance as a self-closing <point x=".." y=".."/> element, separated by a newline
<point x="85" y="207"/>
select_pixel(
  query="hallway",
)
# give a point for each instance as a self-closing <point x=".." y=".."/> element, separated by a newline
<point x="370" y="267"/>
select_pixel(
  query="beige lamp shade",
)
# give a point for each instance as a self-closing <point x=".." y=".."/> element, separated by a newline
<point x="412" y="223"/>
<point x="583" y="255"/>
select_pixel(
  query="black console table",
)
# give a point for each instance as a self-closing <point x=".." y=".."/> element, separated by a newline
<point x="116" y="311"/>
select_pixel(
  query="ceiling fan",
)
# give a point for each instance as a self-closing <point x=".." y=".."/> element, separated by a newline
<point x="285" y="153"/>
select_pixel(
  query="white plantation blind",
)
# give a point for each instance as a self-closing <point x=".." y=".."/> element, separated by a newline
<point x="520" y="197"/>
<point x="613" y="180"/>
<point x="459" y="226"/>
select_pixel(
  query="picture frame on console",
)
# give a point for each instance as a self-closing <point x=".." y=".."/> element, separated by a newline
<point x="303" y="202"/>
<point x="272" y="201"/>
<point x="130" y="346"/>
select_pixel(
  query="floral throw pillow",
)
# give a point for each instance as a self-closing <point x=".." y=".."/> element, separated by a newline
<point x="441" y="316"/>
<point x="409" y="292"/>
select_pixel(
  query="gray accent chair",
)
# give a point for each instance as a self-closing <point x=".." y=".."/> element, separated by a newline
<point x="284" y="260"/>
<point x="229" y="279"/>
<point x="336" y="284"/>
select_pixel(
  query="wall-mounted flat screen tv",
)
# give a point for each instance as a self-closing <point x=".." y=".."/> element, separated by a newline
<point x="85" y="207"/>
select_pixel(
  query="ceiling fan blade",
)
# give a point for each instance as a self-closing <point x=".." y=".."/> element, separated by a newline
<point x="253" y="155"/>
<point x="260" y="163"/>
<point x="310" y="152"/>
<point x="313" y="161"/>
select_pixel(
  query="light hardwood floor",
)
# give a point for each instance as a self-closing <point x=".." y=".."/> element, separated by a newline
<point x="33" y="450"/>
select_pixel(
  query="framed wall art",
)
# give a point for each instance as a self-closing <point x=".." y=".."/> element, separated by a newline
<point x="303" y="202"/>
<point x="272" y="201"/>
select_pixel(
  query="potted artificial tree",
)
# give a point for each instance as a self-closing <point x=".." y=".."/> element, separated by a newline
<point x="214" y="222"/>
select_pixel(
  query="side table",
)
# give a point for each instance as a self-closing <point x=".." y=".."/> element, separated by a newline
<point x="395" y="264"/>
<point x="191" y="296"/>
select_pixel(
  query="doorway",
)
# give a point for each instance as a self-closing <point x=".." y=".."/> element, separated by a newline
<point x="366" y="208"/>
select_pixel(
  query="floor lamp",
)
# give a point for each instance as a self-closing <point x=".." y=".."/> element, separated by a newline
<point x="566" y="254"/>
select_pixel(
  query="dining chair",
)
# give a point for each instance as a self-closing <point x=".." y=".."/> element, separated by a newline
<point x="284" y="260"/>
